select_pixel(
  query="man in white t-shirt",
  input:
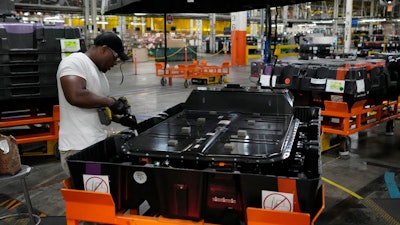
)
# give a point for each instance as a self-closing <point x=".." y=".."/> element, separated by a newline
<point x="82" y="89"/>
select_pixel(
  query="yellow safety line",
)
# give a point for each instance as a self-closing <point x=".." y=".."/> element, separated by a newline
<point x="342" y="188"/>
<point x="367" y="202"/>
<point x="385" y="216"/>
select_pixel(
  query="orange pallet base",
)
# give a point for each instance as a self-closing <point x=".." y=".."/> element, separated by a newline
<point x="100" y="208"/>
<point x="50" y="135"/>
<point x="337" y="119"/>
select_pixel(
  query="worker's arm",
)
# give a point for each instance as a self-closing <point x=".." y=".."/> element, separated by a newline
<point x="74" y="88"/>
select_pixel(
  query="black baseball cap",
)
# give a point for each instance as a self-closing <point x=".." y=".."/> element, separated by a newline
<point x="113" y="41"/>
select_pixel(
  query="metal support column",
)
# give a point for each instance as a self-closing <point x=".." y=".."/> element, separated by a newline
<point x="87" y="29"/>
<point x="212" y="33"/>
<point x="371" y="14"/>
<point x="347" y="26"/>
<point x="94" y="18"/>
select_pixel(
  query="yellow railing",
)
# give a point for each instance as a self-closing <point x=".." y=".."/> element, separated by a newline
<point x="286" y="51"/>
<point x="280" y="51"/>
<point x="251" y="56"/>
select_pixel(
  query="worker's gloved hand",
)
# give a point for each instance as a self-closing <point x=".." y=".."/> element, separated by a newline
<point x="121" y="106"/>
<point x="128" y="121"/>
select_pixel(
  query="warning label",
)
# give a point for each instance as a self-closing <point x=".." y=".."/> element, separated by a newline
<point x="96" y="183"/>
<point x="277" y="201"/>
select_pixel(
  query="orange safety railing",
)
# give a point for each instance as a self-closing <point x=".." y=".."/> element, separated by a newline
<point x="51" y="120"/>
<point x="100" y="208"/>
<point x="338" y="120"/>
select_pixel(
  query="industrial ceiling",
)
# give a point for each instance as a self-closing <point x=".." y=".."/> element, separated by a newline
<point x="192" y="6"/>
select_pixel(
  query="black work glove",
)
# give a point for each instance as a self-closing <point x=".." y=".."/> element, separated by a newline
<point x="121" y="106"/>
<point x="128" y="121"/>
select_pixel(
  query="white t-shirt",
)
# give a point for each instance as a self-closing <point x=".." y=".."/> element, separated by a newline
<point x="80" y="127"/>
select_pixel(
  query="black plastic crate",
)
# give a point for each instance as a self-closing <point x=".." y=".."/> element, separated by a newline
<point x="25" y="56"/>
<point x="393" y="75"/>
<point x="315" y="77"/>
<point x="23" y="68"/>
<point x="357" y="82"/>
<point x="290" y="76"/>
<point x="48" y="38"/>
<point x="313" y="51"/>
<point x="28" y="79"/>
<point x="378" y="88"/>
<point x="29" y="37"/>
<point x="28" y="92"/>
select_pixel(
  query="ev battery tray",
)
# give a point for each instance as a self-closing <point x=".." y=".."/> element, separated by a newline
<point x="233" y="127"/>
<point x="222" y="137"/>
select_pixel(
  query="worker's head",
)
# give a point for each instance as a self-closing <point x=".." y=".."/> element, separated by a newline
<point x="109" y="49"/>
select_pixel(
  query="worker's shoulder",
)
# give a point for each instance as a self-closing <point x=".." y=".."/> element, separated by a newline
<point x="75" y="58"/>
<point x="74" y="55"/>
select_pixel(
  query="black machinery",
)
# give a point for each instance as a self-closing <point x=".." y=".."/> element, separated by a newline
<point x="210" y="157"/>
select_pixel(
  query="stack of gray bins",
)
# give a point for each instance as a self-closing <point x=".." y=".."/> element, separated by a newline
<point x="29" y="58"/>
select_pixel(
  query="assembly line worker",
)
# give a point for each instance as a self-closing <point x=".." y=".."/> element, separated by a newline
<point x="82" y="89"/>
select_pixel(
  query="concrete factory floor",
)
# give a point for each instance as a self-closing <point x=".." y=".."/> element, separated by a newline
<point x="355" y="187"/>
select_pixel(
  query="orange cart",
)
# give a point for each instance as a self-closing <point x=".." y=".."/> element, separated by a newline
<point x="100" y="208"/>
<point x="190" y="71"/>
<point x="339" y="120"/>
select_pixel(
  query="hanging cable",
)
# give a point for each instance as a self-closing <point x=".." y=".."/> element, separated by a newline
<point x="122" y="72"/>
<point x="275" y="33"/>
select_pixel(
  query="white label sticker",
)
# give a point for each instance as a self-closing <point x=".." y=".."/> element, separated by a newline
<point x="317" y="81"/>
<point x="336" y="86"/>
<point x="265" y="80"/>
<point x="70" y="45"/>
<point x="140" y="177"/>
<point x="360" y="86"/>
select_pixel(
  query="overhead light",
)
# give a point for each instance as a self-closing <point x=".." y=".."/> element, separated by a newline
<point x="323" y="21"/>
<point x="372" y="20"/>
